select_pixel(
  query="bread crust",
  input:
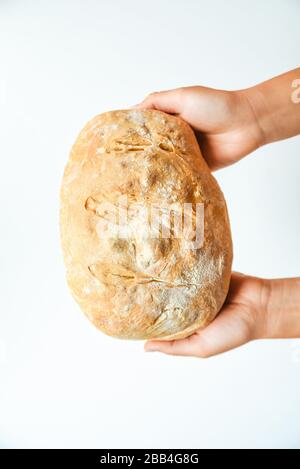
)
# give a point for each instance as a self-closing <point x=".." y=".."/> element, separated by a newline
<point x="134" y="287"/>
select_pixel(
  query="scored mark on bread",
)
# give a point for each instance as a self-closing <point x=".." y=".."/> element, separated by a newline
<point x="132" y="142"/>
<point x="109" y="274"/>
<point x="166" y="146"/>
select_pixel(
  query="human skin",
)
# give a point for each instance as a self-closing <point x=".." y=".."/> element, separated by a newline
<point x="230" y="125"/>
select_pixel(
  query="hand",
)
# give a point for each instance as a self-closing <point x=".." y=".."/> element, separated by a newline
<point x="224" y="122"/>
<point x="254" y="309"/>
<point x="242" y="319"/>
<point x="231" y="124"/>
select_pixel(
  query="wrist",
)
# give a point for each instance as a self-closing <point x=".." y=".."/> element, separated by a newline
<point x="276" y="113"/>
<point x="282" y="308"/>
<point x="260" y="114"/>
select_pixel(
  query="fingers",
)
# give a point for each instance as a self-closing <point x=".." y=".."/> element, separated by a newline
<point x="168" y="101"/>
<point x="187" y="347"/>
<point x="231" y="329"/>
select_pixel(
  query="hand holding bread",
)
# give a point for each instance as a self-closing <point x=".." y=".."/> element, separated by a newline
<point x="157" y="289"/>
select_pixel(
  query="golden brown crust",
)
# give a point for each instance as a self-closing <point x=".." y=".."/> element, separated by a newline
<point x="135" y="287"/>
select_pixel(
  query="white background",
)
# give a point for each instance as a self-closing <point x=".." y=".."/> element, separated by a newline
<point x="62" y="382"/>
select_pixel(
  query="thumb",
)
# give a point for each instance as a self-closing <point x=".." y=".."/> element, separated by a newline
<point x="169" y="101"/>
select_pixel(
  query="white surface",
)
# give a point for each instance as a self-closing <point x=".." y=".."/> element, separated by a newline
<point x="63" y="383"/>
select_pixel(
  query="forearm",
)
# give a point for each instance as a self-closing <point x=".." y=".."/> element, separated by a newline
<point x="283" y="308"/>
<point x="276" y="106"/>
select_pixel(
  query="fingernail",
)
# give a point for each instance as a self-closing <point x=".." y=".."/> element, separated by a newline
<point x="151" y="348"/>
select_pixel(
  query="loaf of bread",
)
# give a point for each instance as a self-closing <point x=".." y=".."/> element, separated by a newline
<point x="132" y="278"/>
